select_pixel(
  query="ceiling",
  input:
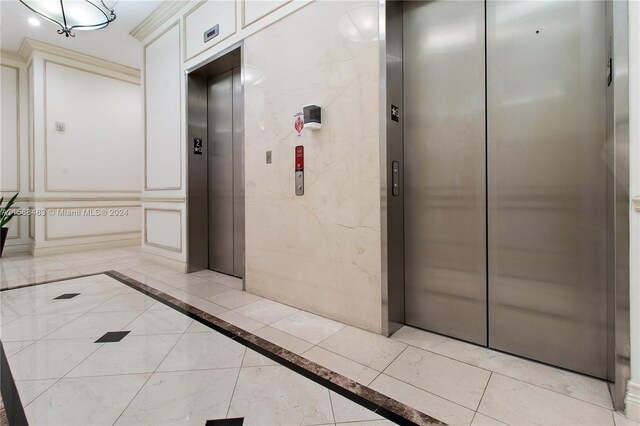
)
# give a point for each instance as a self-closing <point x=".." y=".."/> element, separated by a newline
<point x="112" y="43"/>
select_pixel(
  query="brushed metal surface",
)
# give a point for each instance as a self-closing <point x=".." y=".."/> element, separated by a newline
<point x="620" y="186"/>
<point x="391" y="148"/>
<point x="547" y="223"/>
<point x="444" y="168"/>
<point x="197" y="206"/>
<point x="238" y="174"/>
<point x="220" y="175"/>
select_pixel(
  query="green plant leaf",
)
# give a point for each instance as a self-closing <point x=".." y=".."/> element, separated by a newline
<point x="6" y="219"/>
<point x="3" y="211"/>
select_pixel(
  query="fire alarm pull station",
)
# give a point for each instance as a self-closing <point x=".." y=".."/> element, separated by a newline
<point x="299" y="170"/>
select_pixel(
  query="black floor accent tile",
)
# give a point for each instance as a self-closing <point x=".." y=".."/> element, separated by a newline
<point x="112" y="337"/>
<point x="66" y="296"/>
<point x="237" y="421"/>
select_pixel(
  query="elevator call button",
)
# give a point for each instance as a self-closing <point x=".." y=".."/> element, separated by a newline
<point x="299" y="173"/>
<point x="299" y="158"/>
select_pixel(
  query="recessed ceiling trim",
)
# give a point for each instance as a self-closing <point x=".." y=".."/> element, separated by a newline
<point x="9" y="55"/>
<point x="158" y="17"/>
<point x="30" y="45"/>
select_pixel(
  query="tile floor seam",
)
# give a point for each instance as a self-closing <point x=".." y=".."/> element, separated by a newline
<point x="333" y="413"/>
<point x="551" y="390"/>
<point x="148" y="378"/>
<point x="483" y="392"/>
<point x="21" y="349"/>
<point x="323" y="340"/>
<point x="511" y="377"/>
<point x="236" y="382"/>
<point x="57" y="379"/>
<point x="239" y="313"/>
<point x="427" y="391"/>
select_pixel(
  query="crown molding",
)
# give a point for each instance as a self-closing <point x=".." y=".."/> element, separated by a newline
<point x="12" y="56"/>
<point x="30" y="45"/>
<point x="156" y="18"/>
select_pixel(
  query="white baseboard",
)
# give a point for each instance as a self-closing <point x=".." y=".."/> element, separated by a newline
<point x="45" y="251"/>
<point x="17" y="248"/>
<point x="177" y="265"/>
<point x="632" y="401"/>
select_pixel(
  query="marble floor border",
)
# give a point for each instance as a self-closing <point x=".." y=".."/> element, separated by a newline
<point x="13" y="411"/>
<point x="364" y="396"/>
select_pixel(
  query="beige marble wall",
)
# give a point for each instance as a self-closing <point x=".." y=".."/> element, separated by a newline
<point x="321" y="251"/>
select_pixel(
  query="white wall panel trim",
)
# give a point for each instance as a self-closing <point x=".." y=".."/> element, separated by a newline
<point x="144" y="94"/>
<point x="17" y="70"/>
<point x="215" y="42"/>
<point x="158" y="245"/>
<point x="29" y="46"/>
<point x="48" y="216"/>
<point x="46" y="127"/>
<point x="246" y="23"/>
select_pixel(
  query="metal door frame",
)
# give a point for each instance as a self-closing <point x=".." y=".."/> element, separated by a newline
<point x="391" y="208"/>
<point x="195" y="86"/>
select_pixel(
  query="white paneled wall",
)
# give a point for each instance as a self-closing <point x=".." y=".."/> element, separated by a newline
<point x="163" y="131"/>
<point x="84" y="182"/>
<point x="335" y="257"/>
<point x="199" y="20"/>
<point x="14" y="154"/>
<point x="100" y="149"/>
<point x="10" y="130"/>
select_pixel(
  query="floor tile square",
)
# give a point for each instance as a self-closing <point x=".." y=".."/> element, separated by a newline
<point x="276" y="395"/>
<point x="370" y="349"/>
<point x="453" y="380"/>
<point x="85" y="401"/>
<point x="202" y="351"/>
<point x="307" y="326"/>
<point x="133" y="355"/>
<point x="112" y="336"/>
<point x="182" y="398"/>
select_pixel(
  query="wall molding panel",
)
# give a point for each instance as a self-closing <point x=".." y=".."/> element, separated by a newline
<point x="10" y="127"/>
<point x="165" y="219"/>
<point x="163" y="144"/>
<point x="121" y="225"/>
<point x="48" y="127"/>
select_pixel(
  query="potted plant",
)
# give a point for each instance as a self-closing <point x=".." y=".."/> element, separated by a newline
<point x="5" y="217"/>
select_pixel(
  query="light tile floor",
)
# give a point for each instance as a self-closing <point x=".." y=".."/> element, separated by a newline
<point x="456" y="382"/>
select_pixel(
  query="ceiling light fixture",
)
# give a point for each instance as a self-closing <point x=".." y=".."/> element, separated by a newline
<point x="71" y="15"/>
<point x="35" y="22"/>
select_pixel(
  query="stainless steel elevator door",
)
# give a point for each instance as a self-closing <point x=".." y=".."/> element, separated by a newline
<point x="238" y="175"/>
<point x="444" y="159"/>
<point x="225" y="174"/>
<point x="546" y="87"/>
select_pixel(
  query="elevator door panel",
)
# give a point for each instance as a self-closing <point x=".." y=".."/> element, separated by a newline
<point x="220" y="173"/>
<point x="546" y="86"/>
<point x="238" y="175"/>
<point x="444" y="159"/>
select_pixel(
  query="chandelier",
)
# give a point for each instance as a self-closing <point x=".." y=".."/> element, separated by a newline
<point x="71" y="15"/>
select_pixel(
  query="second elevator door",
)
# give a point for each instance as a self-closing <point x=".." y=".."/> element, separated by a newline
<point x="538" y="163"/>
<point x="225" y="173"/>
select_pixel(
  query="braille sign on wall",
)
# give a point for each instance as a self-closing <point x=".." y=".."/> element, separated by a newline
<point x="211" y="33"/>
<point x="395" y="113"/>
<point x="197" y="146"/>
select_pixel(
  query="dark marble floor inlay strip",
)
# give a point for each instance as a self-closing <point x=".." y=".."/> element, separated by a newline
<point x="112" y="336"/>
<point x="66" y="296"/>
<point x="13" y="409"/>
<point x="375" y="401"/>
<point x="236" y="421"/>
